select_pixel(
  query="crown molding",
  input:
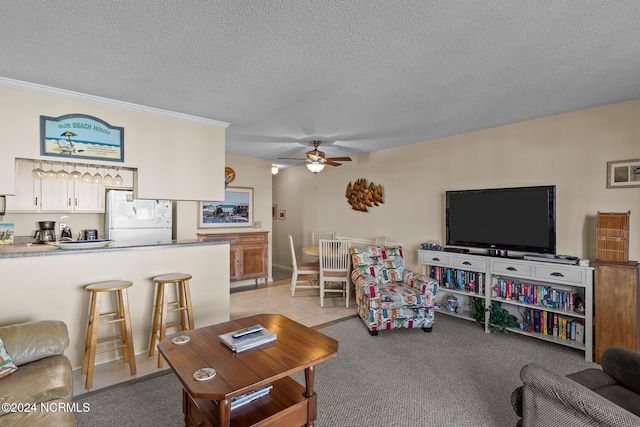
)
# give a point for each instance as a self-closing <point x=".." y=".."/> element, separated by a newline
<point x="77" y="96"/>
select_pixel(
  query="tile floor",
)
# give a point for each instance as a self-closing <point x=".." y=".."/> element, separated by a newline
<point x="273" y="298"/>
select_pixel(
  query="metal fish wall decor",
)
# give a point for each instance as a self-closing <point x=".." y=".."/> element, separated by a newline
<point x="361" y="196"/>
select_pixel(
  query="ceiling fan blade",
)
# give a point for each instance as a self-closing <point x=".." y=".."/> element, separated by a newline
<point x="329" y="162"/>
<point x="339" y="159"/>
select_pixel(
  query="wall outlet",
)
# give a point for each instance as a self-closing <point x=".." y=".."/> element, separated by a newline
<point x="257" y="224"/>
<point x="62" y="225"/>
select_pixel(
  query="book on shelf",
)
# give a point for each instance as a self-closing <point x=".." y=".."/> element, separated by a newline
<point x="579" y="332"/>
<point x="527" y="323"/>
<point x="246" y="342"/>
<point x="536" y="321"/>
<point x="238" y="401"/>
<point x="547" y="323"/>
<point x="563" y="328"/>
<point x="451" y="278"/>
<point x="539" y="295"/>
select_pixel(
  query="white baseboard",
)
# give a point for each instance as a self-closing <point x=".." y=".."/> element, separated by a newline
<point x="282" y="267"/>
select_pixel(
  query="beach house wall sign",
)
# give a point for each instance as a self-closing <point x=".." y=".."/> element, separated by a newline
<point x="81" y="136"/>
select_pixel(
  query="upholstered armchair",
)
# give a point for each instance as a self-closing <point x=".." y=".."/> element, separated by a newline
<point x="609" y="396"/>
<point x="388" y="295"/>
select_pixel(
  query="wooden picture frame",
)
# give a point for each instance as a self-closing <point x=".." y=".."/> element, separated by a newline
<point x="623" y="173"/>
<point x="282" y="215"/>
<point x="236" y="210"/>
<point x="274" y="211"/>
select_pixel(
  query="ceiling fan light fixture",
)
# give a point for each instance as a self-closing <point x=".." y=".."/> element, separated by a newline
<point x="274" y="170"/>
<point x="316" y="160"/>
<point x="315" y="167"/>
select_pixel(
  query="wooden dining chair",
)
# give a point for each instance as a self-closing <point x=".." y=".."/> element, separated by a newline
<point x="334" y="267"/>
<point x="316" y="236"/>
<point x="303" y="268"/>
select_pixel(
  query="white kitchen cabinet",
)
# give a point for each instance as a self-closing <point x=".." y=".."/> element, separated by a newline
<point x="72" y="196"/>
<point x="88" y="197"/>
<point x="54" y="195"/>
<point x="27" y="197"/>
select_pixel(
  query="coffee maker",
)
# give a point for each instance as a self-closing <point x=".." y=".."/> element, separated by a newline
<point x="47" y="232"/>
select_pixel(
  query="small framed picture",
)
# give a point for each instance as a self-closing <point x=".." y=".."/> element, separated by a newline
<point x="282" y="215"/>
<point x="623" y="173"/>
<point x="274" y="211"/>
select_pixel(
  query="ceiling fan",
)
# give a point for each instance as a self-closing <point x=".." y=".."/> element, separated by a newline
<point x="316" y="160"/>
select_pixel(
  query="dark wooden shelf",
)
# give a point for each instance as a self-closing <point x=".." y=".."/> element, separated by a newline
<point x="284" y="405"/>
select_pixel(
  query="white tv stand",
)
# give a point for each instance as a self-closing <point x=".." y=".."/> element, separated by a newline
<point x="568" y="278"/>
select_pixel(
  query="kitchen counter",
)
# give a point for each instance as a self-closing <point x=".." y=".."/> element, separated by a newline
<point x="44" y="282"/>
<point x="36" y="250"/>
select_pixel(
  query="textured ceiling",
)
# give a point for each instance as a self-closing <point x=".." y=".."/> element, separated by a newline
<point x="360" y="75"/>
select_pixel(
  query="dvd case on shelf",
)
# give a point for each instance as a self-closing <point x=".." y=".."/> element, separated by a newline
<point x="238" y="401"/>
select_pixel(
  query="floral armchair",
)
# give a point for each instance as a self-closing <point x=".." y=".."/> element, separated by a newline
<point x="388" y="295"/>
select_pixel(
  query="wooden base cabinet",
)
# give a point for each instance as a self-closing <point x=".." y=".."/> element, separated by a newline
<point x="617" y="306"/>
<point x="249" y="254"/>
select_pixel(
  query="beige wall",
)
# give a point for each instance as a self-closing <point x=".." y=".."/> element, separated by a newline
<point x="567" y="150"/>
<point x="250" y="172"/>
<point x="174" y="155"/>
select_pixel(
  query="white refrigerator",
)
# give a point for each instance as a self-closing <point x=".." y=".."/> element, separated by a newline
<point x="136" y="221"/>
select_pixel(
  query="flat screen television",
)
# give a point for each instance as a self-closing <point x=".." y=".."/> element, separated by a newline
<point x="519" y="219"/>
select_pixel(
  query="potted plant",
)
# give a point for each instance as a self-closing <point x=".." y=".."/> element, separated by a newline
<point x="499" y="318"/>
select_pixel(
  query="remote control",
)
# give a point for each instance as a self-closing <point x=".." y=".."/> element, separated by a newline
<point x="246" y="331"/>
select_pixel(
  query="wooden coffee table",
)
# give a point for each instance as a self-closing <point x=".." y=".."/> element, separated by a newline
<point x="287" y="404"/>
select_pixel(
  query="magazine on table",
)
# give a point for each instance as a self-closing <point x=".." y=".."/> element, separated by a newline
<point x="250" y="340"/>
<point x="238" y="401"/>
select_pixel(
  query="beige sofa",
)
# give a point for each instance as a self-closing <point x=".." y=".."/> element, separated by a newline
<point x="41" y="390"/>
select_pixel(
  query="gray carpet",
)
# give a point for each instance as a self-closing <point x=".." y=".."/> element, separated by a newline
<point x="455" y="376"/>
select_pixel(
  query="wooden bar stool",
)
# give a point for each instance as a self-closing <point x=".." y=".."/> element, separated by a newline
<point x="164" y="307"/>
<point x="97" y="319"/>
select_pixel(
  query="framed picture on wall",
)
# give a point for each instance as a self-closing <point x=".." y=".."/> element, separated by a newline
<point x="236" y="210"/>
<point x="79" y="136"/>
<point x="274" y="211"/>
<point x="282" y="215"/>
<point x="623" y="173"/>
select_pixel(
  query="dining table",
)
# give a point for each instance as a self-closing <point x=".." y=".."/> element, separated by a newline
<point x="311" y="250"/>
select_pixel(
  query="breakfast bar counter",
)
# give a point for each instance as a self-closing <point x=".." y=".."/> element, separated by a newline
<point x="45" y="282"/>
<point x="34" y="250"/>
